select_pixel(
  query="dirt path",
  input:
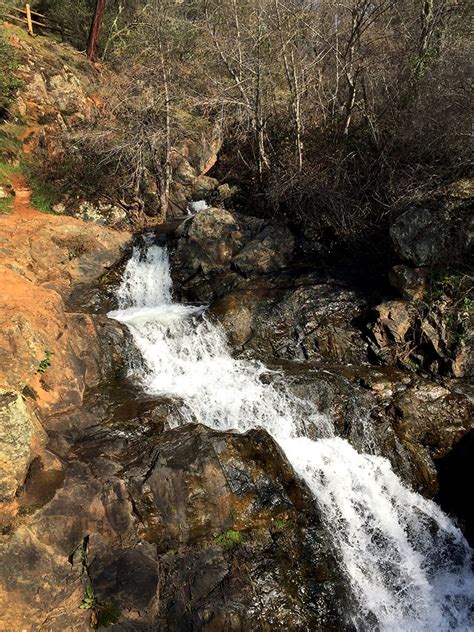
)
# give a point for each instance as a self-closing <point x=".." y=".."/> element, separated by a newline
<point x="22" y="201"/>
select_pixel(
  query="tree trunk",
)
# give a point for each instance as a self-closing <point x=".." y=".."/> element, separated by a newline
<point x="166" y="167"/>
<point x="94" y="33"/>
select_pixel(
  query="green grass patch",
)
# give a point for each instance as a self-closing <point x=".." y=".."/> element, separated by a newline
<point x="280" y="524"/>
<point x="42" y="196"/>
<point x="229" y="539"/>
<point x="6" y="205"/>
<point x="9" y="83"/>
<point x="7" y="170"/>
<point x="10" y="141"/>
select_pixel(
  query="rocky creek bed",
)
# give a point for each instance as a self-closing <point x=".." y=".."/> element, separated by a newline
<point x="125" y="510"/>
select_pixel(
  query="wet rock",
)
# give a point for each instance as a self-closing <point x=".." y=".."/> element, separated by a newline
<point x="295" y="318"/>
<point x="190" y="529"/>
<point x="127" y="579"/>
<point x="428" y="421"/>
<point x="21" y="438"/>
<point x="216" y="249"/>
<point x="432" y="416"/>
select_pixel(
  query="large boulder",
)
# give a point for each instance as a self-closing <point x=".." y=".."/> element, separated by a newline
<point x="190" y="529"/>
<point x="433" y="230"/>
<point x="419" y="235"/>
<point x="217" y="250"/>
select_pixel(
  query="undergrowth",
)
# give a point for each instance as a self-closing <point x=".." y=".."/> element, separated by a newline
<point x="9" y="83"/>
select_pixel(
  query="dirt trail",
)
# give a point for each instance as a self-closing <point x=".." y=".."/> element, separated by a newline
<point x="22" y="201"/>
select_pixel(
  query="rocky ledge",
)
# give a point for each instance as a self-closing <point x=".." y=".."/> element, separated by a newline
<point x="325" y="335"/>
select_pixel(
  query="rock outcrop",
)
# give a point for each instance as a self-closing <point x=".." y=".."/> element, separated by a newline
<point x="217" y="250"/>
<point x="49" y="354"/>
<point x="242" y="266"/>
<point x="191" y="529"/>
<point x="430" y="328"/>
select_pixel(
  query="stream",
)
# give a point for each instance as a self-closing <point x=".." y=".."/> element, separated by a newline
<point x="407" y="564"/>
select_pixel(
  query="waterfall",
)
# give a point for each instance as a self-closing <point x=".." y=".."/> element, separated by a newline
<point x="407" y="564"/>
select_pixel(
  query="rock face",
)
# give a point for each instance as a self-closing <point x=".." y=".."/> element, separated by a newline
<point x="217" y="250"/>
<point x="21" y="438"/>
<point x="48" y="354"/>
<point x="193" y="529"/>
<point x="431" y="329"/>
<point x="434" y="335"/>
<point x="291" y="318"/>
<point x="242" y="266"/>
<point x="419" y="235"/>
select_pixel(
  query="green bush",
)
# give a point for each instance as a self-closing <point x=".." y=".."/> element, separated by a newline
<point x="9" y="83"/>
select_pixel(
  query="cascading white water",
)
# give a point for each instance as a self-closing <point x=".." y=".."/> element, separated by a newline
<point x="408" y="565"/>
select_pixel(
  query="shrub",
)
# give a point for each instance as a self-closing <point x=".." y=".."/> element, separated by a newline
<point x="9" y="83"/>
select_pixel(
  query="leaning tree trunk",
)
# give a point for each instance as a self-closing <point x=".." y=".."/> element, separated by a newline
<point x="94" y="33"/>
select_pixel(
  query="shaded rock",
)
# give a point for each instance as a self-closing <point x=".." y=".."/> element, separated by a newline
<point x="436" y="337"/>
<point x="271" y="250"/>
<point x="21" y="438"/>
<point x="126" y="579"/>
<point x="295" y="318"/>
<point x="455" y="469"/>
<point x="419" y="235"/>
<point x="432" y="416"/>
<point x="411" y="282"/>
<point x="215" y="249"/>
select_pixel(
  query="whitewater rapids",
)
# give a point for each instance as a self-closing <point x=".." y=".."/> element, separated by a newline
<point x="407" y="564"/>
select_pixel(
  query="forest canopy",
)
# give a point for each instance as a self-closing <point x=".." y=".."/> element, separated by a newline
<point x="330" y="111"/>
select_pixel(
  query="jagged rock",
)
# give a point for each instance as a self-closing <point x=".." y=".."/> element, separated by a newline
<point x="393" y="321"/>
<point x="295" y="318"/>
<point x="201" y="522"/>
<point x="202" y="154"/>
<point x="436" y="337"/>
<point x="411" y="282"/>
<point x="430" y="421"/>
<point x="215" y="243"/>
<point x="21" y="438"/>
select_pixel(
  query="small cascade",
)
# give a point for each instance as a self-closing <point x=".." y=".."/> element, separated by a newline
<point x="407" y="564"/>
